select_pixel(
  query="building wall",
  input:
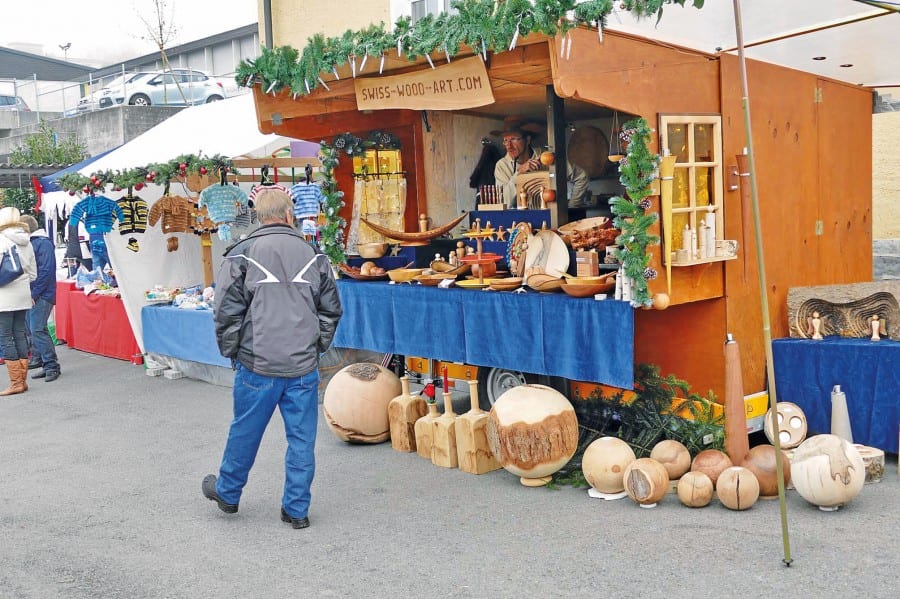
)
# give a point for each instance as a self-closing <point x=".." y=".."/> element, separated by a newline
<point x="294" y="22"/>
<point x="885" y="175"/>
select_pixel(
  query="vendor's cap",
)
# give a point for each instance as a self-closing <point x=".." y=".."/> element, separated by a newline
<point x="9" y="215"/>
<point x="519" y="124"/>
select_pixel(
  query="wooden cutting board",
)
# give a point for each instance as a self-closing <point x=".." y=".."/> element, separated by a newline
<point x="443" y="449"/>
<point x="473" y="452"/>
<point x="403" y="413"/>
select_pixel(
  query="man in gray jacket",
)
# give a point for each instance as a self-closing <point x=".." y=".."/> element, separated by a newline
<point x="276" y="311"/>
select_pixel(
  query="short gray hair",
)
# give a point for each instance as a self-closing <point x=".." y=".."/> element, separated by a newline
<point x="30" y="222"/>
<point x="271" y="204"/>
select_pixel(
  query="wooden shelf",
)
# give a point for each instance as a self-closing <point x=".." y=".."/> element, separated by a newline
<point x="704" y="261"/>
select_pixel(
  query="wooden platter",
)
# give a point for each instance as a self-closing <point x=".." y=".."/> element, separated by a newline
<point x="355" y="274"/>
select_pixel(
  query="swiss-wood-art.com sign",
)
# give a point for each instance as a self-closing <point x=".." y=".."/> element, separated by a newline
<point x="463" y="83"/>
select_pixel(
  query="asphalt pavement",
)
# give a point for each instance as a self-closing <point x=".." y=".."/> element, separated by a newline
<point x="100" y="497"/>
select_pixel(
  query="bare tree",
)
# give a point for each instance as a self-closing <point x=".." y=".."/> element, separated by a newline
<point x="161" y="30"/>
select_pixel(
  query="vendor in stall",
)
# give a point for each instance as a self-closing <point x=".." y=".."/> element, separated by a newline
<point x="521" y="158"/>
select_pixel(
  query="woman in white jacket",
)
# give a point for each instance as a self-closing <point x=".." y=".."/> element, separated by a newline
<point x="15" y="300"/>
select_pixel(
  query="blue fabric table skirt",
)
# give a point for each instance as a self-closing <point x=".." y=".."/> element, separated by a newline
<point x="539" y="333"/>
<point x="867" y="371"/>
<point x="184" y="334"/>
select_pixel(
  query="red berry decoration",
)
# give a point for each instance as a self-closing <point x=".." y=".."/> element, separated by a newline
<point x="71" y="192"/>
<point x="203" y="170"/>
<point x="86" y="189"/>
<point x="149" y="177"/>
<point x="139" y="186"/>
<point x="183" y="166"/>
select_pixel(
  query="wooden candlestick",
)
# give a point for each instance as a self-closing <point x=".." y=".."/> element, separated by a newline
<point x="424" y="432"/>
<point x="472" y="449"/>
<point x="443" y="448"/>
<point x="403" y="413"/>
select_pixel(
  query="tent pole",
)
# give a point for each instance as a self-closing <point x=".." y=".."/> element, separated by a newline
<point x="764" y="303"/>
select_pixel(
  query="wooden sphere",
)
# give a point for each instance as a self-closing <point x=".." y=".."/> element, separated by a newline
<point x="646" y="481"/>
<point x="661" y="301"/>
<point x="548" y="195"/>
<point x="711" y="462"/>
<point x="673" y="456"/>
<point x="532" y="430"/>
<point x="761" y="462"/>
<point x="547" y="157"/>
<point x="737" y="488"/>
<point x="356" y="401"/>
<point x="827" y="471"/>
<point x="695" y="489"/>
<point x="604" y="463"/>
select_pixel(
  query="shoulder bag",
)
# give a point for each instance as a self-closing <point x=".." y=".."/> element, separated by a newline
<point x="10" y="266"/>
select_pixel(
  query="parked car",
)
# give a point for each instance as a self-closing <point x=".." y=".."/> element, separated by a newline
<point x="162" y="89"/>
<point x="13" y="103"/>
<point x="95" y="100"/>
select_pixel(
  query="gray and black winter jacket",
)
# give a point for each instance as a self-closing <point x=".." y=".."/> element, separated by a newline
<point x="277" y="305"/>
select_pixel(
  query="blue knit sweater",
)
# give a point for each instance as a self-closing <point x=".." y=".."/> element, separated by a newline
<point x="97" y="213"/>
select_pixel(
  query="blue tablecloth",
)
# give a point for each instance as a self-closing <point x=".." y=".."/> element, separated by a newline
<point x="184" y="334"/>
<point x="867" y="371"/>
<point x="540" y="333"/>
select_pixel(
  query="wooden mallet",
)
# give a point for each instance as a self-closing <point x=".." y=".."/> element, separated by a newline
<point x="472" y="449"/>
<point x="403" y="413"/>
<point x="443" y="449"/>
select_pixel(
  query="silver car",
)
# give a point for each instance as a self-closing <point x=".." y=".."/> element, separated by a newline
<point x="178" y="87"/>
<point x="13" y="103"/>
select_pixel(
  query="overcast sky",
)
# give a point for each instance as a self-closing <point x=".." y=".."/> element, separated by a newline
<point x="111" y="30"/>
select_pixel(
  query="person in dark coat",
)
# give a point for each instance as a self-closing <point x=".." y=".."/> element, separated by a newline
<point x="43" y="293"/>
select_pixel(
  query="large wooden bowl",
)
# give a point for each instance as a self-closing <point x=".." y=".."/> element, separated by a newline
<point x="355" y="274"/>
<point x="586" y="290"/>
<point x="404" y="275"/>
<point x="544" y="282"/>
<point x="433" y="280"/>
<point x="447" y="268"/>
<point x="372" y="250"/>
<point x="506" y="284"/>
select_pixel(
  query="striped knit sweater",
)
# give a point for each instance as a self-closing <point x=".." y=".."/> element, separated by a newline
<point x="97" y="213"/>
<point x="134" y="210"/>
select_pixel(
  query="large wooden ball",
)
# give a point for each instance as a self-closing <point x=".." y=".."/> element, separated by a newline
<point x="674" y="456"/>
<point x="737" y="488"/>
<point x="356" y="402"/>
<point x="604" y="463"/>
<point x="827" y="471"/>
<point x="761" y="462"/>
<point x="712" y="463"/>
<point x="532" y="431"/>
<point x="646" y="481"/>
<point x="695" y="489"/>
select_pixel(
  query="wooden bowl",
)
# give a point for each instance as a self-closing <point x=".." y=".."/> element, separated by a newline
<point x="590" y="280"/>
<point x="506" y="284"/>
<point x="433" y="280"/>
<point x="446" y="267"/>
<point x="404" y="275"/>
<point x="544" y="282"/>
<point x="355" y="274"/>
<point x="585" y="289"/>
<point x="372" y="250"/>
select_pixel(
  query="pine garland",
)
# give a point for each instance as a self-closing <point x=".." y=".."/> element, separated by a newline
<point x="332" y="232"/>
<point x="637" y="171"/>
<point x="136" y="178"/>
<point x="480" y="25"/>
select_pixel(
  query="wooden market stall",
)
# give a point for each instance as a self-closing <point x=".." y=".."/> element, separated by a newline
<point x="813" y="177"/>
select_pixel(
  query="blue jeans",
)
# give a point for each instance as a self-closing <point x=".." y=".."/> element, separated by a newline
<point x="40" y="335"/>
<point x="12" y="335"/>
<point x="255" y="398"/>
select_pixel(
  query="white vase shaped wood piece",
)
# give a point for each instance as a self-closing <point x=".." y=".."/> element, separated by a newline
<point x="840" y="416"/>
<point x="356" y="401"/>
<point x="827" y="471"/>
<point x="737" y="488"/>
<point x="674" y="456"/>
<point x="604" y="463"/>
<point x="646" y="481"/>
<point x="695" y="489"/>
<point x="533" y="432"/>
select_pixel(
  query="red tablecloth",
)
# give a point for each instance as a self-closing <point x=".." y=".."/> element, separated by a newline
<point x="95" y="324"/>
<point x="63" y="312"/>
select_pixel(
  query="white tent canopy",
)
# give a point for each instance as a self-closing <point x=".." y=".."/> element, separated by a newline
<point x="792" y="33"/>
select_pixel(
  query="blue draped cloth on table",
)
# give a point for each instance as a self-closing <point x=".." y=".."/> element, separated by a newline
<point x="539" y="333"/>
<point x="183" y="334"/>
<point x="867" y="371"/>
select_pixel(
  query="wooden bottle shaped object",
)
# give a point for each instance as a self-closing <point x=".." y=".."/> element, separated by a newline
<point x="443" y="448"/>
<point x="737" y="444"/>
<point x="424" y="433"/>
<point x="472" y="449"/>
<point x="403" y="413"/>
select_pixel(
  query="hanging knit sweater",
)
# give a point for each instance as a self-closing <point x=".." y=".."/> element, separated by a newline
<point x="175" y="211"/>
<point x="134" y="210"/>
<point x="222" y="202"/>
<point x="97" y="213"/>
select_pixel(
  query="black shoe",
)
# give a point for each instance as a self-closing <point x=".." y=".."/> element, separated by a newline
<point x="48" y="377"/>
<point x="209" y="491"/>
<point x="33" y="365"/>
<point x="295" y="522"/>
<point x="39" y="375"/>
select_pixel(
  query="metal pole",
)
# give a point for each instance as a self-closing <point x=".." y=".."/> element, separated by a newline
<point x="267" y="21"/>
<point x="764" y="303"/>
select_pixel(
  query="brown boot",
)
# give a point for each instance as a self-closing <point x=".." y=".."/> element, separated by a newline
<point x="24" y="364"/>
<point x="16" y="374"/>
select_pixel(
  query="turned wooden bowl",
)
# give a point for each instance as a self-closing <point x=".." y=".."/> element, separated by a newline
<point x="433" y="280"/>
<point x="544" y="282"/>
<point x="372" y="250"/>
<point x="506" y="284"/>
<point x="404" y="275"/>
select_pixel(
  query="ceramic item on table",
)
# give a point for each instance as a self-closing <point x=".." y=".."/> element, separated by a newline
<point x="404" y="275"/>
<point x="506" y="284"/>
